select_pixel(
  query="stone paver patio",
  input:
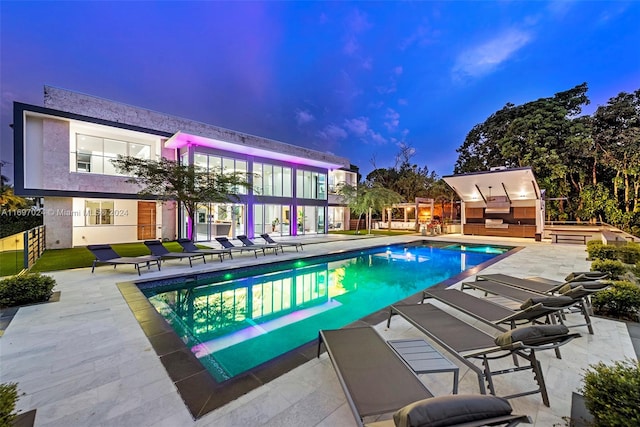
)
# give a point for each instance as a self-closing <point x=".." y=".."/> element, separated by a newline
<point x="85" y="361"/>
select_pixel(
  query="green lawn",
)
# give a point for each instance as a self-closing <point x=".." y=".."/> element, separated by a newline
<point x="64" y="259"/>
<point x="11" y="262"/>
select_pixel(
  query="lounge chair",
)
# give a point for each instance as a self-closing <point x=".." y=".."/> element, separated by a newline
<point x="540" y="285"/>
<point x="106" y="255"/>
<point x="542" y="307"/>
<point x="189" y="246"/>
<point x="578" y="291"/>
<point x="376" y="381"/>
<point x="226" y="243"/>
<point x="157" y="248"/>
<point x="268" y="239"/>
<point x="250" y="244"/>
<point x="465" y="342"/>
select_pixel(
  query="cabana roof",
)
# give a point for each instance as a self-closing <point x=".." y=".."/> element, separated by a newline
<point x="505" y="184"/>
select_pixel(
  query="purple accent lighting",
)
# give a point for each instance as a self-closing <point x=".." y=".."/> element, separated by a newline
<point x="180" y="140"/>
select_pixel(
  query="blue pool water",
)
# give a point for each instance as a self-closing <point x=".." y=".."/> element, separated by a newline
<point x="239" y="319"/>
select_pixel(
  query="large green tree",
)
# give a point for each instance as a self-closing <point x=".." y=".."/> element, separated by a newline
<point x="405" y="178"/>
<point x="616" y="132"/>
<point x="591" y="164"/>
<point x="187" y="184"/>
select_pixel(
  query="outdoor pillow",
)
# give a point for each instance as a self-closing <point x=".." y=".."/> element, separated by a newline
<point x="445" y="411"/>
<point x="585" y="275"/>
<point x="529" y="334"/>
<point x="592" y="286"/>
<point x="558" y="301"/>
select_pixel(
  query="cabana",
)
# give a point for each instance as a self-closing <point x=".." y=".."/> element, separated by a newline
<point x="500" y="202"/>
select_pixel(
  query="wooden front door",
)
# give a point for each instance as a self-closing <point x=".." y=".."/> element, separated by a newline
<point x="146" y="220"/>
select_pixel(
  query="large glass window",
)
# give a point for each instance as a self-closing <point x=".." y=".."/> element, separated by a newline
<point x="340" y="177"/>
<point x="310" y="219"/>
<point x="311" y="185"/>
<point x="218" y="164"/>
<point x="92" y="154"/>
<point x="216" y="220"/>
<point x="271" y="219"/>
<point x="98" y="212"/>
<point x="272" y="180"/>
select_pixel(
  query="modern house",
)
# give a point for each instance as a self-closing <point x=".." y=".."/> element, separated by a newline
<point x="500" y="202"/>
<point x="63" y="154"/>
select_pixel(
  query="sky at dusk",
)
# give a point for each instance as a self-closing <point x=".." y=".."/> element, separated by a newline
<point x="356" y="79"/>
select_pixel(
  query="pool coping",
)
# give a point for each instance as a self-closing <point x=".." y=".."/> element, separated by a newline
<point x="198" y="389"/>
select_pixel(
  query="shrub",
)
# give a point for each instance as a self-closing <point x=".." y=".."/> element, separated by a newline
<point x="629" y="253"/>
<point x="621" y="300"/>
<point x="593" y="245"/>
<point x="612" y="393"/>
<point x="26" y="289"/>
<point x="8" y="399"/>
<point x="603" y="252"/>
<point x="614" y="267"/>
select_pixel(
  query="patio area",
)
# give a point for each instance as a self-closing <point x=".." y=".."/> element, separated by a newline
<point x="85" y="360"/>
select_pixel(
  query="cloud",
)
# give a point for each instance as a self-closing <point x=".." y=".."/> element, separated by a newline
<point x="303" y="117"/>
<point x="484" y="58"/>
<point x="332" y="133"/>
<point x="376" y="137"/>
<point x="351" y="46"/>
<point x="421" y="36"/>
<point x="358" y="22"/>
<point x="403" y="101"/>
<point x="358" y="127"/>
<point x="398" y="70"/>
<point x="392" y="119"/>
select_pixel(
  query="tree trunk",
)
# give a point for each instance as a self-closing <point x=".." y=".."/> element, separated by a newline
<point x="358" y="223"/>
<point x="627" y="204"/>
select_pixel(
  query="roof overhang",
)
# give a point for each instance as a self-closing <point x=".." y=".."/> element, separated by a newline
<point x="182" y="139"/>
<point x="512" y="184"/>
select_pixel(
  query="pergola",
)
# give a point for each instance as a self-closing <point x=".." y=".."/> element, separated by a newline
<point x="418" y="208"/>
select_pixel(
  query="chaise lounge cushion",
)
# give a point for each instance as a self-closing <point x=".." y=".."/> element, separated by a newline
<point x="586" y="275"/>
<point x="451" y="410"/>
<point x="530" y="334"/>
<point x="559" y="301"/>
<point x="590" y="286"/>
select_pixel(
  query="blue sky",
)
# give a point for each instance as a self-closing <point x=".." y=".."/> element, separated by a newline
<point x="352" y="78"/>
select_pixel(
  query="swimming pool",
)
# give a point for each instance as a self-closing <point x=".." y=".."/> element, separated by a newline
<point x="236" y="320"/>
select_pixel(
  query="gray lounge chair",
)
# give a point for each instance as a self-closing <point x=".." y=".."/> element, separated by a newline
<point x="189" y="246"/>
<point x="578" y="291"/>
<point x="542" y="307"/>
<point x="226" y="243"/>
<point x="540" y="285"/>
<point x="269" y="240"/>
<point x="376" y="381"/>
<point x="465" y="342"/>
<point x="106" y="255"/>
<point x="250" y="244"/>
<point x="157" y="248"/>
